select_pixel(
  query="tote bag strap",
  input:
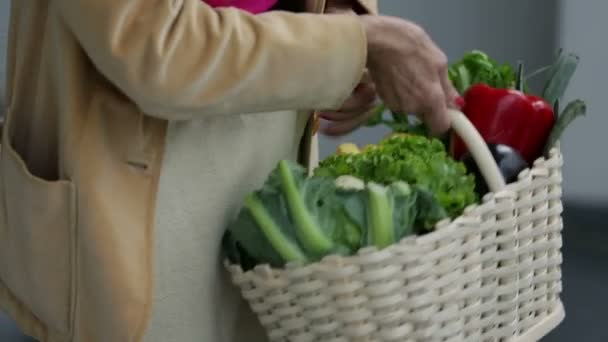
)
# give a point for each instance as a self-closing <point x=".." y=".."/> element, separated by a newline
<point x="309" y="145"/>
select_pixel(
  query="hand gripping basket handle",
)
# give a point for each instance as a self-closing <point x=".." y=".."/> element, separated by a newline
<point x="479" y="150"/>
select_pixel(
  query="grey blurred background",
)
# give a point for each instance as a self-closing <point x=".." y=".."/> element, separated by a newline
<point x="532" y="31"/>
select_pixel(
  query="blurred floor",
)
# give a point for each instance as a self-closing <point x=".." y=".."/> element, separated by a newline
<point x="585" y="273"/>
<point x="8" y="332"/>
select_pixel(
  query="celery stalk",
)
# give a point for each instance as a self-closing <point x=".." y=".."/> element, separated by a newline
<point x="380" y="216"/>
<point x="285" y="248"/>
<point x="310" y="235"/>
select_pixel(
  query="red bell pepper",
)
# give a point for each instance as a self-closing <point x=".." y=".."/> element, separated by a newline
<point x="509" y="117"/>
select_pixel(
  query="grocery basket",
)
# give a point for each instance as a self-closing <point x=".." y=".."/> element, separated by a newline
<point x="492" y="274"/>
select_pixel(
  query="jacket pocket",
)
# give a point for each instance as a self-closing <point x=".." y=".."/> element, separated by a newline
<point x="37" y="239"/>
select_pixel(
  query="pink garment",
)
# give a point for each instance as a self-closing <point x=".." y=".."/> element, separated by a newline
<point x="252" y="6"/>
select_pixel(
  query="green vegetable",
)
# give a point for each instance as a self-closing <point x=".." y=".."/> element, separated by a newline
<point x="295" y="218"/>
<point x="380" y="216"/>
<point x="397" y="122"/>
<point x="284" y="247"/>
<point x="390" y="213"/>
<point x="377" y="117"/>
<point x="414" y="159"/>
<point x="430" y="211"/>
<point x="477" y="67"/>
<point x="307" y="230"/>
<point x="385" y="213"/>
<point x="572" y="111"/>
<point x="520" y="78"/>
<point x="560" y="74"/>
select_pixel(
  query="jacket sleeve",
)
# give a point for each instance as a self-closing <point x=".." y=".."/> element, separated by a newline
<point x="180" y="59"/>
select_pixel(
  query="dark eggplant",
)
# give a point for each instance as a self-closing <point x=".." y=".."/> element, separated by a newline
<point x="510" y="163"/>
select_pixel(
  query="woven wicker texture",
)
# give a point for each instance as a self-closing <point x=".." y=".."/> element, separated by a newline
<point x="489" y="275"/>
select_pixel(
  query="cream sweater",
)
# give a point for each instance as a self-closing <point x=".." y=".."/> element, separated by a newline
<point x="209" y="166"/>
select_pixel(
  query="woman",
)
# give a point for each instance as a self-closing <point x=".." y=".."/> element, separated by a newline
<point x="134" y="129"/>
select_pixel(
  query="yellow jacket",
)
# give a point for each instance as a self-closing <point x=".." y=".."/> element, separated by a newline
<point x="91" y="85"/>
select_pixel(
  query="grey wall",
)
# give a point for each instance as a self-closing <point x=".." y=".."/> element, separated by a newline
<point x="4" y="10"/>
<point x="583" y="28"/>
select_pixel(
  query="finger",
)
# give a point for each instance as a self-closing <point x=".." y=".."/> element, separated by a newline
<point x="345" y="127"/>
<point x="442" y="66"/>
<point x="366" y="78"/>
<point x="336" y="116"/>
<point x="391" y="98"/>
<point x="450" y="92"/>
<point x="361" y="100"/>
<point x="459" y="102"/>
<point x="437" y="118"/>
<point x="349" y="115"/>
<point x="339" y="129"/>
<point x="365" y="92"/>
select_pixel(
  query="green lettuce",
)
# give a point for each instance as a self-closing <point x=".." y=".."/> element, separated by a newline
<point x="477" y="67"/>
<point x="415" y="159"/>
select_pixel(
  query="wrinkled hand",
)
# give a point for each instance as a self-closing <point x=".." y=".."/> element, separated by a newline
<point x="355" y="111"/>
<point x="410" y="72"/>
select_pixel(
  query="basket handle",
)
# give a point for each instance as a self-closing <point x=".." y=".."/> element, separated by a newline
<point x="479" y="150"/>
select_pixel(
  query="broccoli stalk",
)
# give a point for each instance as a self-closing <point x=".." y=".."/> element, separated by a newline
<point x="287" y="250"/>
<point x="309" y="233"/>
<point x="380" y="216"/>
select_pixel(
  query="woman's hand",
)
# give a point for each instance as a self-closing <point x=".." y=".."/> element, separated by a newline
<point x="409" y="71"/>
<point x="355" y="111"/>
<point x="405" y="69"/>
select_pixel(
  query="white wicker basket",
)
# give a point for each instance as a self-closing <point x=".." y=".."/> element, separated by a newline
<point x="492" y="274"/>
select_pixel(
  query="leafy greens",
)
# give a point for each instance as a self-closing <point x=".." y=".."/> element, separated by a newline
<point x="414" y="159"/>
<point x="294" y="218"/>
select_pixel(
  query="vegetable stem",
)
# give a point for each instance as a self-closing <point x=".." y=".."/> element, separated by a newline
<point x="572" y="111"/>
<point x="519" y="80"/>
<point x="310" y="235"/>
<point x="464" y="79"/>
<point x="559" y="76"/>
<point x="285" y="248"/>
<point x="380" y="216"/>
<point x="402" y="188"/>
<point x="537" y="72"/>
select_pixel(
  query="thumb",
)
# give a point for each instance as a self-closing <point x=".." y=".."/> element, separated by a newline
<point x="438" y="119"/>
